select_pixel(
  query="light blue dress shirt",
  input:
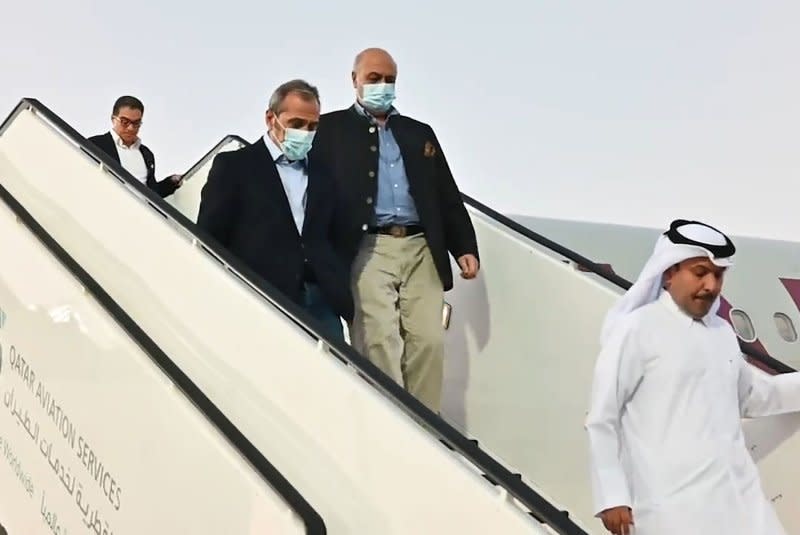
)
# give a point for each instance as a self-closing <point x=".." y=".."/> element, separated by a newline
<point x="294" y="177"/>
<point x="394" y="204"/>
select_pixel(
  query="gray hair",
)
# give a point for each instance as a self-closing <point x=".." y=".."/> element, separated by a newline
<point x="299" y="87"/>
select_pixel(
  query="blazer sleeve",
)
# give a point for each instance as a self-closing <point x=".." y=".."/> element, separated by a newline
<point x="219" y="201"/>
<point x="99" y="142"/>
<point x="166" y="187"/>
<point x="459" y="232"/>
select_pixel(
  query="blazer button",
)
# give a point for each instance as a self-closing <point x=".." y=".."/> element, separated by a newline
<point x="371" y="129"/>
<point x="372" y="174"/>
<point x="369" y="200"/>
<point x="364" y="227"/>
<point x="373" y="148"/>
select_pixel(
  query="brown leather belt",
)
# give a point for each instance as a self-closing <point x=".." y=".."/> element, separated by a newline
<point x="397" y="231"/>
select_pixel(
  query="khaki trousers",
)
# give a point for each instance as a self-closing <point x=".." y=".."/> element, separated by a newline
<point x="398" y="313"/>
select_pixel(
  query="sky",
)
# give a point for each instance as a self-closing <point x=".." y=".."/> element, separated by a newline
<point x="623" y="111"/>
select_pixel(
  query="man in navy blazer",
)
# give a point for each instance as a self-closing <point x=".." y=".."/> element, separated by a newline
<point x="273" y="210"/>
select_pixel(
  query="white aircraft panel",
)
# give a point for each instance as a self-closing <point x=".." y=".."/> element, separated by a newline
<point x="93" y="436"/>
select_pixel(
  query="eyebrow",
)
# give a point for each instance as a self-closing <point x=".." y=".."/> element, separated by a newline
<point x="710" y="269"/>
<point x="297" y="121"/>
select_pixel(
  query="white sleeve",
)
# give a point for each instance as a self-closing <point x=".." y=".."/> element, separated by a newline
<point x="761" y="394"/>
<point x="617" y="373"/>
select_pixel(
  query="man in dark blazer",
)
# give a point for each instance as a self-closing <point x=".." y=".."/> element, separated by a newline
<point x="399" y="213"/>
<point x="273" y="210"/>
<point x="123" y="145"/>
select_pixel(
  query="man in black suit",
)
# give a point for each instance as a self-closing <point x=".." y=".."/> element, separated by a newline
<point x="399" y="213"/>
<point x="273" y="210"/>
<point x="123" y="145"/>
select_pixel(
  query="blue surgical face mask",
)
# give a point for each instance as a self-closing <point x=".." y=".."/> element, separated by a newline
<point x="378" y="97"/>
<point x="296" y="142"/>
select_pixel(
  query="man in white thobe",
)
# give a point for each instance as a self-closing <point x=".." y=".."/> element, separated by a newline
<point x="668" y="453"/>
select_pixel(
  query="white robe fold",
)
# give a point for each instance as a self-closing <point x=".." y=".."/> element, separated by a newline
<point x="665" y="427"/>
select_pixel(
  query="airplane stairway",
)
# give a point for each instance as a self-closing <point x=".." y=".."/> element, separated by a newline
<point x="365" y="454"/>
<point x="521" y="345"/>
<point x="99" y="429"/>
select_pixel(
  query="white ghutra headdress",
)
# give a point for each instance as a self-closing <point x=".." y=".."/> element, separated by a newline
<point x="684" y="240"/>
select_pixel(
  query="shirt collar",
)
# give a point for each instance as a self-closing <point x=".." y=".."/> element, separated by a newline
<point x="118" y="142"/>
<point x="277" y="154"/>
<point x="666" y="299"/>
<point x="363" y="112"/>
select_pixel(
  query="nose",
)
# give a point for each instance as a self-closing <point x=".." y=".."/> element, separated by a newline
<point x="712" y="283"/>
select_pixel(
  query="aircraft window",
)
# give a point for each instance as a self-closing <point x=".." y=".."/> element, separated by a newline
<point x="785" y="327"/>
<point x="743" y="325"/>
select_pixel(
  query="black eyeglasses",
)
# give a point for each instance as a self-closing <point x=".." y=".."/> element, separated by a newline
<point x="125" y="122"/>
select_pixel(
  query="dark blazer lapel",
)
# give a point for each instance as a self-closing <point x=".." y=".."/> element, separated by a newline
<point x="265" y="167"/>
<point x="150" y="164"/>
<point x="149" y="161"/>
<point x="314" y="192"/>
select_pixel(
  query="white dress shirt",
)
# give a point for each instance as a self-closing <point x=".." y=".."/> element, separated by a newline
<point x="294" y="177"/>
<point x="665" y="428"/>
<point x="131" y="158"/>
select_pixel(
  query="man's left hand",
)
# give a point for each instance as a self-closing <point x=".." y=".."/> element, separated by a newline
<point x="177" y="180"/>
<point x="469" y="266"/>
